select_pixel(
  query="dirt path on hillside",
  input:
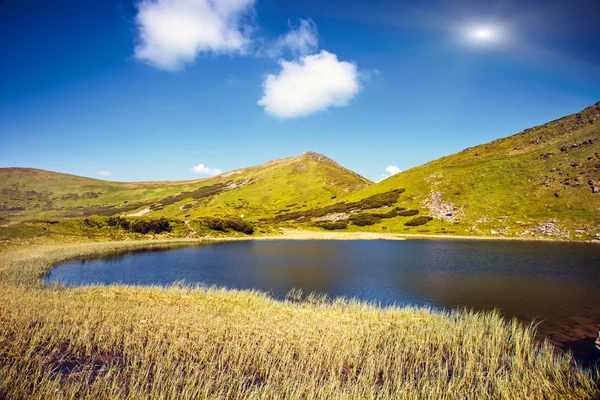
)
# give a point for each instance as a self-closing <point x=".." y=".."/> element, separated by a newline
<point x="139" y="213"/>
<point x="192" y="233"/>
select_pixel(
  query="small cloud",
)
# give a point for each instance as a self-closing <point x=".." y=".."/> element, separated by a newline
<point x="104" y="173"/>
<point x="391" y="170"/>
<point x="313" y="83"/>
<point x="368" y="75"/>
<point x="300" y="41"/>
<point x="202" y="169"/>
<point x="173" y="32"/>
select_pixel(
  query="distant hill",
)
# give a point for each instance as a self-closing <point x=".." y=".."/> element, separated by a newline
<point x="300" y="182"/>
<point x="543" y="181"/>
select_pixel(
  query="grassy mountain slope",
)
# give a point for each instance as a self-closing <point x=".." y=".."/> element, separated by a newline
<point x="299" y="182"/>
<point x="539" y="182"/>
<point x="542" y="182"/>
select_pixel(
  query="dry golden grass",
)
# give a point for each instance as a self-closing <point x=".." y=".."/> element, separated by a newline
<point x="178" y="342"/>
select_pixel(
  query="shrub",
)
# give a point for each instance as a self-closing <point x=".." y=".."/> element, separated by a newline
<point x="91" y="223"/>
<point x="331" y="226"/>
<point x="104" y="211"/>
<point x="41" y="221"/>
<point x="239" y="225"/>
<point x="375" y="201"/>
<point x="224" y="225"/>
<point x="151" y="225"/>
<point x="389" y="214"/>
<point x="142" y="226"/>
<point x="380" y="199"/>
<point x="117" y="221"/>
<point x="70" y="196"/>
<point x="408" y="213"/>
<point x="364" y="219"/>
<point x="90" y="195"/>
<point x="200" y="193"/>
<point x="418" y="221"/>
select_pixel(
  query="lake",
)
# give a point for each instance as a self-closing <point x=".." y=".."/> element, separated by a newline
<point x="554" y="284"/>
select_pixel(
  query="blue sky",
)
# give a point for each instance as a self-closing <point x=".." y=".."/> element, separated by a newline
<point x="147" y="90"/>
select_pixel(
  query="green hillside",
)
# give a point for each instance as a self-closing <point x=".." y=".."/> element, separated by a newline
<point x="542" y="182"/>
<point x="293" y="183"/>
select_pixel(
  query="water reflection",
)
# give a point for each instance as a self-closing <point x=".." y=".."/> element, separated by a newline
<point x="552" y="283"/>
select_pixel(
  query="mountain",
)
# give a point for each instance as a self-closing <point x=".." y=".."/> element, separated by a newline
<point x="299" y="182"/>
<point x="543" y="181"/>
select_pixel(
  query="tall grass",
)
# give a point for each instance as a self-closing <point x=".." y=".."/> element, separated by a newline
<point x="123" y="342"/>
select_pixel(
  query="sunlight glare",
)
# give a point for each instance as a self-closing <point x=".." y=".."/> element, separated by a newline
<point x="484" y="34"/>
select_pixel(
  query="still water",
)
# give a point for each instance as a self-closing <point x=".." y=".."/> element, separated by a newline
<point x="554" y="284"/>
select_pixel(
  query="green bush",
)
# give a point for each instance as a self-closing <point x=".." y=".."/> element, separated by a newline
<point x="103" y="211"/>
<point x="91" y="223"/>
<point x="224" y="225"/>
<point x="364" y="219"/>
<point x="41" y="221"/>
<point x="331" y="226"/>
<point x="117" y="221"/>
<point x="375" y="201"/>
<point x="418" y="221"/>
<point x="408" y="213"/>
<point x="151" y="225"/>
<point x="142" y="226"/>
<point x="389" y="214"/>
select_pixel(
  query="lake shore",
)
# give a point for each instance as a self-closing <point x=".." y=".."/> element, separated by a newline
<point x="293" y="234"/>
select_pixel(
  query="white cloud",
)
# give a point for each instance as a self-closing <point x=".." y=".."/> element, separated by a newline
<point x="104" y="173"/>
<point x="311" y="84"/>
<point x="391" y="170"/>
<point x="173" y="32"/>
<point x="300" y="41"/>
<point x="202" y="169"/>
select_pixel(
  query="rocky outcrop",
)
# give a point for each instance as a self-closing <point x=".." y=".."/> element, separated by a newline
<point x="577" y="145"/>
<point x="333" y="217"/>
<point x="438" y="208"/>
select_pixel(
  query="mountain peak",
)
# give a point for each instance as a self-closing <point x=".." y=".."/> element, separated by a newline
<point x="312" y="155"/>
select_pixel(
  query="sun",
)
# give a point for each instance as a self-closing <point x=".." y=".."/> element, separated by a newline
<point x="483" y="34"/>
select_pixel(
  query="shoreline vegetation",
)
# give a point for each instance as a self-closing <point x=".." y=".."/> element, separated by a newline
<point x="194" y="342"/>
<point x="295" y="234"/>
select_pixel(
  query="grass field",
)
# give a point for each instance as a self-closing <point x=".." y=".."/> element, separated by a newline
<point x="178" y="342"/>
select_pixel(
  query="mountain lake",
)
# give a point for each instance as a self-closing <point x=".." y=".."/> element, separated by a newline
<point x="553" y="285"/>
